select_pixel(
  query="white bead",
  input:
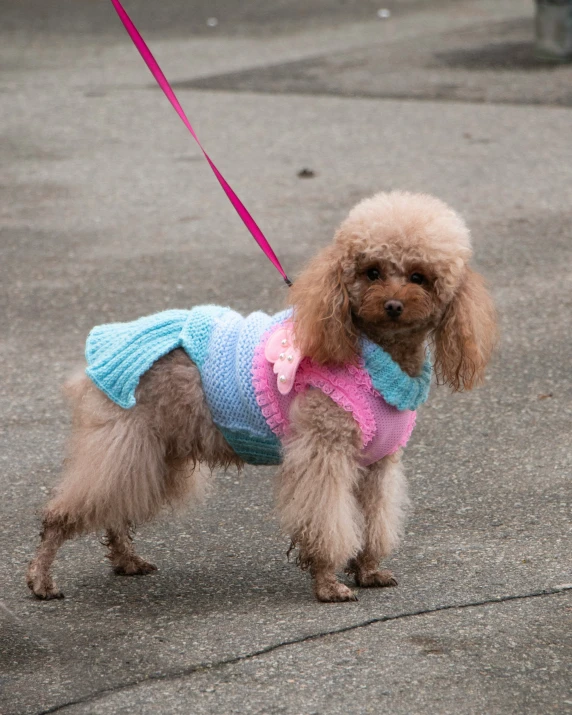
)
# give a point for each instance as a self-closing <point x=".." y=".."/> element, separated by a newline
<point x="290" y="358"/>
<point x="284" y="343"/>
<point x="282" y="378"/>
<point x="282" y="356"/>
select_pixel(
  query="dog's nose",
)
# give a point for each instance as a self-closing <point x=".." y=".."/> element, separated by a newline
<point x="393" y="308"/>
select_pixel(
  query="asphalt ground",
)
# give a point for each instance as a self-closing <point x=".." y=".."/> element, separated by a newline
<point x="108" y="212"/>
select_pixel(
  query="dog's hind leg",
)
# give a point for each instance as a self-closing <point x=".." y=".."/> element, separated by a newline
<point x="122" y="554"/>
<point x="38" y="577"/>
<point x="123" y="466"/>
<point x="113" y="476"/>
<point x="316" y="498"/>
<point x="382" y="497"/>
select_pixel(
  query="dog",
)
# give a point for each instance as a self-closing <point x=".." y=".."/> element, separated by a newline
<point x="330" y="389"/>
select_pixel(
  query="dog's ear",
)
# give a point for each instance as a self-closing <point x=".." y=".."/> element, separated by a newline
<point x="466" y="336"/>
<point x="322" y="314"/>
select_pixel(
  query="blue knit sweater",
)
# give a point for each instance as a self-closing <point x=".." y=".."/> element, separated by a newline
<point x="222" y="344"/>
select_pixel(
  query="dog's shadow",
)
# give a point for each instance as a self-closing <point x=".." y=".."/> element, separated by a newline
<point x="197" y="588"/>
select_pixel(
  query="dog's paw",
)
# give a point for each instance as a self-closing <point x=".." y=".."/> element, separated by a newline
<point x="135" y="566"/>
<point x="46" y="593"/>
<point x="334" y="592"/>
<point x="42" y="586"/>
<point x="375" y="579"/>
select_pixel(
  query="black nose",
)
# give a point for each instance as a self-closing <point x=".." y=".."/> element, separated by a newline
<point x="393" y="308"/>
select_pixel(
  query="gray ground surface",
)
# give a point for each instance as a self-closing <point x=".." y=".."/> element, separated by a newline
<point x="108" y="212"/>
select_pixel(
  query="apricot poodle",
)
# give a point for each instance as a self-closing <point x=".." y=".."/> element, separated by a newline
<point x="328" y="389"/>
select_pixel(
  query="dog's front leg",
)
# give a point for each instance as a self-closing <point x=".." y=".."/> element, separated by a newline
<point x="316" y="490"/>
<point x="382" y="497"/>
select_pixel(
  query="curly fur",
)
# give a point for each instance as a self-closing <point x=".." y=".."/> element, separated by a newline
<point x="123" y="466"/>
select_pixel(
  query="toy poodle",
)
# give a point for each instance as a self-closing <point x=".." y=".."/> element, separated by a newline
<point x="328" y="389"/>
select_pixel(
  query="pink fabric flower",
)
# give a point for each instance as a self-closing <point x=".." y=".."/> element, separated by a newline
<point x="281" y="352"/>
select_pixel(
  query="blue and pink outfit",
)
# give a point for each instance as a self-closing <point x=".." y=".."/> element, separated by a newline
<point x="251" y="372"/>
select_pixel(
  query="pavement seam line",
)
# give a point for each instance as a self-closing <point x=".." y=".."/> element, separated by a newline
<point x="202" y="667"/>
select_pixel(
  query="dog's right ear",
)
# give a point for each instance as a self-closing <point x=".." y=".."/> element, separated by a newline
<point x="323" y="322"/>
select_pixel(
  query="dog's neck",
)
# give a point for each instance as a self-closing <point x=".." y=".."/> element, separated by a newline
<point x="407" y="349"/>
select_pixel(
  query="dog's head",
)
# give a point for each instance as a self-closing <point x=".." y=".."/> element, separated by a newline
<point x="398" y="266"/>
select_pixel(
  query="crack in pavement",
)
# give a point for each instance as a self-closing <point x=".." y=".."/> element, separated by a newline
<point x="201" y="667"/>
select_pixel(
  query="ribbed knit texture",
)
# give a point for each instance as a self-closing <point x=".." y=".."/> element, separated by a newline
<point x="396" y="386"/>
<point x="219" y="341"/>
<point x="222" y="344"/>
<point x="227" y="382"/>
<point x="118" y="354"/>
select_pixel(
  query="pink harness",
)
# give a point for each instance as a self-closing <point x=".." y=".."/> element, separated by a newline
<point x="280" y="373"/>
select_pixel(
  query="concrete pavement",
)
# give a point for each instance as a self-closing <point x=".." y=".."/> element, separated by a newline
<point x="108" y="212"/>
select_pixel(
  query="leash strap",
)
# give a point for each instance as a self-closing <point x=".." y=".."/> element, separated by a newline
<point x="162" y="81"/>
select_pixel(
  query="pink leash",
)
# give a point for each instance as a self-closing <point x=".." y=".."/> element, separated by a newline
<point x="162" y="81"/>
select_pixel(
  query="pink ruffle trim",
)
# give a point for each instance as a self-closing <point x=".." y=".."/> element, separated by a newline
<point x="264" y="382"/>
<point x="338" y="383"/>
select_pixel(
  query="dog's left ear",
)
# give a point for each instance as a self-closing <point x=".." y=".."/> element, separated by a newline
<point x="466" y="336"/>
<point x="323" y="322"/>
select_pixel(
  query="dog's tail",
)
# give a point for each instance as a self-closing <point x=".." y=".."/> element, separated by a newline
<point x="75" y="386"/>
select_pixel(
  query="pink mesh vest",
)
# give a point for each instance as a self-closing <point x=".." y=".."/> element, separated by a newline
<point x="280" y="373"/>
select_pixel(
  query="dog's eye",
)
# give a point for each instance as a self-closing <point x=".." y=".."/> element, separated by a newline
<point x="418" y="278"/>
<point x="373" y="274"/>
